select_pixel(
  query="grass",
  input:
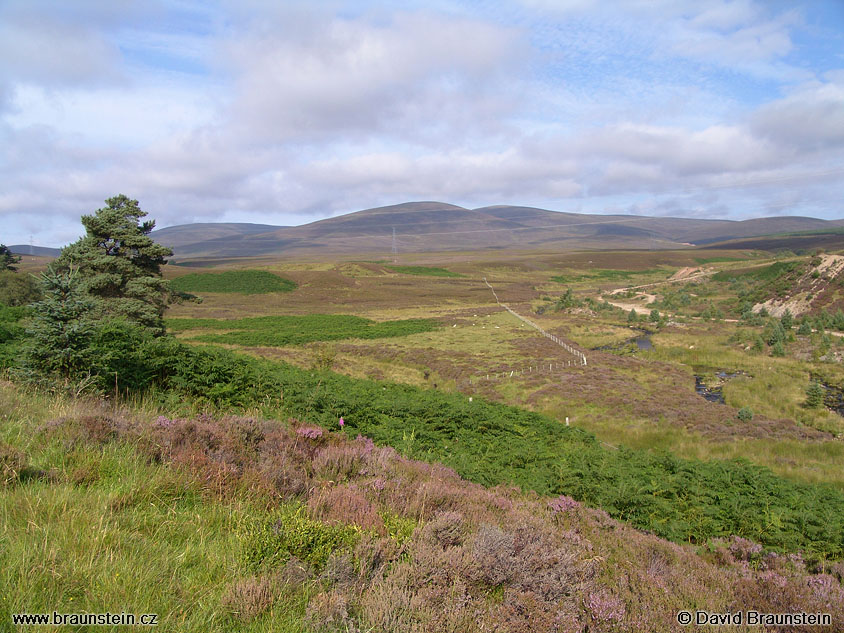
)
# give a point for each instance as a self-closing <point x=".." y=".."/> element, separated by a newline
<point x="604" y="275"/>
<point x="248" y="282"/>
<point x="279" y="331"/>
<point x="109" y="531"/>
<point x="424" y="271"/>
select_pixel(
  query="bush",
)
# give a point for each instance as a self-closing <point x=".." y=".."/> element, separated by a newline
<point x="18" y="289"/>
<point x="745" y="414"/>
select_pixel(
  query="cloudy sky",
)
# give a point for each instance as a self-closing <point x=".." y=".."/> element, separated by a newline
<point x="288" y="112"/>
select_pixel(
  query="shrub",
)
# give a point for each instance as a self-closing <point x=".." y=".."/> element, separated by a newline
<point x="18" y="289"/>
<point x="446" y="528"/>
<point x="745" y="414"/>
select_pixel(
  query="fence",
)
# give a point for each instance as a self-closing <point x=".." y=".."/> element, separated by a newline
<point x="581" y="357"/>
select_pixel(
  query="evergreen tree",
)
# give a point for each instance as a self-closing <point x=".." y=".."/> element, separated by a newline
<point x="632" y="317"/>
<point x="814" y="395"/>
<point x="787" y="320"/>
<point x="61" y="330"/>
<point x="805" y="328"/>
<point x="7" y="258"/>
<point x="119" y="265"/>
<point x="778" y="349"/>
<point x="567" y="300"/>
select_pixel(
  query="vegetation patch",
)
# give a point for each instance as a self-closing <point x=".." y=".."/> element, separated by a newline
<point x="247" y="282"/>
<point x="426" y="271"/>
<point x="604" y="274"/>
<point x="279" y="331"/>
<point x="679" y="499"/>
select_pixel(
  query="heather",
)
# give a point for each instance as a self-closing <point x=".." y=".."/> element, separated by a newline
<point x="245" y="523"/>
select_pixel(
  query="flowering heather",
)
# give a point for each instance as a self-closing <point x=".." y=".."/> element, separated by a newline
<point x="562" y="504"/>
<point x="604" y="607"/>
<point x="310" y="432"/>
<point x="469" y="558"/>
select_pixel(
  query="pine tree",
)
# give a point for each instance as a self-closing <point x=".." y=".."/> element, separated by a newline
<point x="119" y="265"/>
<point x="814" y="395"/>
<point x="7" y="258"/>
<point x="61" y="331"/>
<point x="632" y="317"/>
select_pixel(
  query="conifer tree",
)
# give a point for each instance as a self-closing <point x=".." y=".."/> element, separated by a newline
<point x="814" y="395"/>
<point x="61" y="330"/>
<point x="7" y="258"/>
<point x="119" y="265"/>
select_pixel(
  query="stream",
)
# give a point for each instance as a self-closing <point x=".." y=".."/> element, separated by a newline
<point x="714" y="393"/>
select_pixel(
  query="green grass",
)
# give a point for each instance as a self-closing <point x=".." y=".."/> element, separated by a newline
<point x="425" y="271"/>
<point x="248" y="282"/>
<point x="765" y="274"/>
<point x="111" y="532"/>
<point x="604" y="274"/>
<point x="716" y="260"/>
<point x="279" y="331"/>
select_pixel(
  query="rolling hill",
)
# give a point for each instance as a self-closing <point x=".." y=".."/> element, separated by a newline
<point x="437" y="226"/>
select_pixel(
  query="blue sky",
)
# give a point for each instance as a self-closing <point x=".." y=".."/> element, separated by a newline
<point x="285" y="113"/>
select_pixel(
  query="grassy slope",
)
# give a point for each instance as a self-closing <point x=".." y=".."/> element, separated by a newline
<point x="115" y="511"/>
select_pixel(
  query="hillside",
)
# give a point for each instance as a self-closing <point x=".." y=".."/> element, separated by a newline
<point x="436" y="226"/>
<point x="236" y="523"/>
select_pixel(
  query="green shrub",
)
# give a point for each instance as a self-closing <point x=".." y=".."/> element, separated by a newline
<point x="247" y="282"/>
<point x="745" y="414"/>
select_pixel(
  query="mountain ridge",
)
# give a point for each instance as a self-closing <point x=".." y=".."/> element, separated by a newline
<point x="424" y="226"/>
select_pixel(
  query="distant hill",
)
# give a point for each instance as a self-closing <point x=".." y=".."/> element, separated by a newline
<point x="39" y="251"/>
<point x="439" y="226"/>
<point x="184" y="234"/>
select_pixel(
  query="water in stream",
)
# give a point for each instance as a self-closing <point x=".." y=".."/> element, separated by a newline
<point x="714" y="393"/>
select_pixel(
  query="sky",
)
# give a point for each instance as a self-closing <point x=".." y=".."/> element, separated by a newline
<point x="289" y="112"/>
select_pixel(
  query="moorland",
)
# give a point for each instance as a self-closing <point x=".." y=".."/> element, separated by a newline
<point x="480" y="479"/>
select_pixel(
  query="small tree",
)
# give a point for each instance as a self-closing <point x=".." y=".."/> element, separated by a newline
<point x="805" y="328"/>
<point x="8" y="259"/>
<point x="745" y="414"/>
<point x="814" y="395"/>
<point x="787" y="320"/>
<point x="61" y="331"/>
<point x="654" y="316"/>
<point x="632" y="317"/>
<point x="778" y="349"/>
<point x="119" y="265"/>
